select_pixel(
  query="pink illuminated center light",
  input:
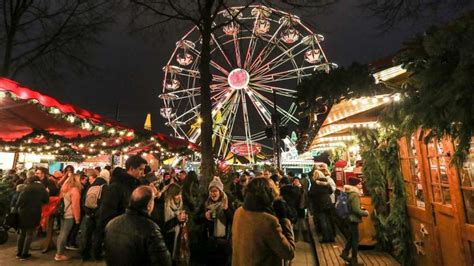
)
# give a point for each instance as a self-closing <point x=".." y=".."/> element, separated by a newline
<point x="238" y="78"/>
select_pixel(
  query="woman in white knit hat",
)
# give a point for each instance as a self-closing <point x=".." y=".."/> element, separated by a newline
<point x="215" y="216"/>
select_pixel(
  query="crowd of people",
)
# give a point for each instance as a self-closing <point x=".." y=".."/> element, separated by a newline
<point x="130" y="216"/>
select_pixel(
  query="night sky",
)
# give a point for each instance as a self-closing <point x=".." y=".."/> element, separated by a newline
<point x="129" y="67"/>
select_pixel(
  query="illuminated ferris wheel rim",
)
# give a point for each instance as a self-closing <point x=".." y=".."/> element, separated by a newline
<point x="248" y="80"/>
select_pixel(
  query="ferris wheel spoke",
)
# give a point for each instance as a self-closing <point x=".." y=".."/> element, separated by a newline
<point x="193" y="109"/>
<point x="219" y="47"/>
<point x="220" y="68"/>
<point x="295" y="73"/>
<point x="291" y="110"/>
<point x="279" y="91"/>
<point x="262" y="52"/>
<point x="252" y="44"/>
<point x="261" y="109"/>
<point x="286" y="52"/>
<point x="212" y="62"/>
<point x="248" y="134"/>
<point x="279" y="109"/>
<point x="282" y="60"/>
<point x="237" y="51"/>
<point x="229" y="118"/>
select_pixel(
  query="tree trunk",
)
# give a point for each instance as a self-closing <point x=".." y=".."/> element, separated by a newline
<point x="207" y="151"/>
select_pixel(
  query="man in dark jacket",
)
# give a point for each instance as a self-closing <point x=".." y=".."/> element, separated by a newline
<point x="90" y="240"/>
<point x="43" y="175"/>
<point x="133" y="238"/>
<point x="117" y="195"/>
<point x="29" y="210"/>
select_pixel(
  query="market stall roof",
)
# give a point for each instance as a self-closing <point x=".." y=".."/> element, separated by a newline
<point x="32" y="121"/>
<point x="356" y="113"/>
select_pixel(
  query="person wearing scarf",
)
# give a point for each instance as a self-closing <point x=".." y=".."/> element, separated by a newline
<point x="173" y="215"/>
<point x="215" y="216"/>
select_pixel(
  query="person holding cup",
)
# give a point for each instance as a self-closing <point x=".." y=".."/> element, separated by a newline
<point x="170" y="215"/>
<point x="215" y="217"/>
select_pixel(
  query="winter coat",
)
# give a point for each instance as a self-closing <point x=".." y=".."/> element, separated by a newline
<point x="292" y="196"/>
<point x="134" y="239"/>
<point x="320" y="195"/>
<point x="29" y="205"/>
<point x="214" y="250"/>
<point x="116" y="196"/>
<point x="260" y="239"/>
<point x="354" y="202"/>
<point x="51" y="186"/>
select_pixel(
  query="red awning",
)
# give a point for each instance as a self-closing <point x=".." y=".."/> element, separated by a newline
<point x="24" y="110"/>
<point x="28" y="117"/>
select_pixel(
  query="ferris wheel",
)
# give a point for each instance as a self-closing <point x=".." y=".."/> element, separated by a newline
<point x="262" y="51"/>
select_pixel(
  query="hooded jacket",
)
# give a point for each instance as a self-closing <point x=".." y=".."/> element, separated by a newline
<point x="320" y="194"/>
<point x="117" y="195"/>
<point x="353" y="195"/>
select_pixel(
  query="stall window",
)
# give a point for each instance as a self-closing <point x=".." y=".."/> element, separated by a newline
<point x="412" y="174"/>
<point x="467" y="184"/>
<point x="438" y="165"/>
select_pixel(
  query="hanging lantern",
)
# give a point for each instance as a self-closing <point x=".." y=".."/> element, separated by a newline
<point x="166" y="112"/>
<point x="261" y="11"/>
<point x="231" y="29"/>
<point x="174" y="85"/>
<point x="172" y="69"/>
<point x="290" y="36"/>
<point x="168" y="96"/>
<point x="185" y="44"/>
<point x="184" y="59"/>
<point x="312" y="56"/>
<point x="262" y="26"/>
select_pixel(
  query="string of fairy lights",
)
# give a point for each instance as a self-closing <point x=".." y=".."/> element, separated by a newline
<point x="103" y="138"/>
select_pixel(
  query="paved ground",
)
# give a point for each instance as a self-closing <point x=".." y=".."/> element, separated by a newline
<point x="8" y="253"/>
<point x="304" y="255"/>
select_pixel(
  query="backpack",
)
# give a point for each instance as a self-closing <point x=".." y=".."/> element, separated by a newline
<point x="93" y="196"/>
<point x="343" y="209"/>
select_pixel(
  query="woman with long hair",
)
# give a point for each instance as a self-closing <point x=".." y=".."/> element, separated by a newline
<point x="71" y="195"/>
<point x="258" y="236"/>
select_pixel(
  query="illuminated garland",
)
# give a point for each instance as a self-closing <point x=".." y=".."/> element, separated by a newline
<point x="87" y="146"/>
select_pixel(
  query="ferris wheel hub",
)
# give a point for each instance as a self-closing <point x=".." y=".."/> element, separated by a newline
<point x="238" y="78"/>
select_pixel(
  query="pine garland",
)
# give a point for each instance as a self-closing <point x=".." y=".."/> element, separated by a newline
<point x="382" y="172"/>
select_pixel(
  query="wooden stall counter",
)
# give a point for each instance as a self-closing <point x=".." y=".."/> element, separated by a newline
<point x="366" y="228"/>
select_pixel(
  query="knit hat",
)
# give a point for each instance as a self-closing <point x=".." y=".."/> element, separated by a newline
<point x="172" y="190"/>
<point x="354" y="181"/>
<point x="216" y="182"/>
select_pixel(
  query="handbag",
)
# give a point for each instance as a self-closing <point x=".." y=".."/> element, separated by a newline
<point x="13" y="219"/>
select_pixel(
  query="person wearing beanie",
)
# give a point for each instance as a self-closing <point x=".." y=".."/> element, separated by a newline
<point x="258" y="236"/>
<point x="215" y="217"/>
<point x="353" y="189"/>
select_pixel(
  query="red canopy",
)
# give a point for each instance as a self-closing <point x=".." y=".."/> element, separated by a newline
<point x="29" y="118"/>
